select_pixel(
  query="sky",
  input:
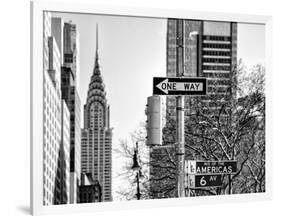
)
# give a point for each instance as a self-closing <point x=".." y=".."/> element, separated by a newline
<point x="132" y="50"/>
<point x="251" y="44"/>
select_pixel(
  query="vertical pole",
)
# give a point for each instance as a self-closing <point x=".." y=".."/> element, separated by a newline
<point x="230" y="184"/>
<point x="138" y="186"/>
<point x="180" y="145"/>
<point x="180" y="150"/>
<point x="138" y="194"/>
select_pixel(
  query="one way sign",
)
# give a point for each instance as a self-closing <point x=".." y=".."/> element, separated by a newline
<point x="179" y="86"/>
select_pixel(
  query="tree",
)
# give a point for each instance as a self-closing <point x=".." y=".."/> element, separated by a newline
<point x="125" y="150"/>
<point x="229" y="126"/>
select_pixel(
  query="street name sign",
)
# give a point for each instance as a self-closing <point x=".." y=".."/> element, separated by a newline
<point x="179" y="86"/>
<point x="211" y="167"/>
<point x="201" y="181"/>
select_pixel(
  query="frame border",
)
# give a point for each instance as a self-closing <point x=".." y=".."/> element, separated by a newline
<point x="36" y="103"/>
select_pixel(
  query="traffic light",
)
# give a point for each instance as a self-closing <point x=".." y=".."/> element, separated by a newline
<point x="154" y="114"/>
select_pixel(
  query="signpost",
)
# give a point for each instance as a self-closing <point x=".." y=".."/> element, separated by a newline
<point x="208" y="173"/>
<point x="200" y="181"/>
<point x="179" y="86"/>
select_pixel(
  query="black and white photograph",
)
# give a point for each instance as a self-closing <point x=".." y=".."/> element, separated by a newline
<point x="139" y="108"/>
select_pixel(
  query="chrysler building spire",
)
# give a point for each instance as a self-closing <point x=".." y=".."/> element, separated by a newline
<point x="97" y="38"/>
<point x="96" y="67"/>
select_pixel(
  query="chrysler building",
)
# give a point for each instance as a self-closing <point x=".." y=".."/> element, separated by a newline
<point x="96" y="136"/>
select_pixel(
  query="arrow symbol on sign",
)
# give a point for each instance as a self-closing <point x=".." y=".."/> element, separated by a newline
<point x="162" y="86"/>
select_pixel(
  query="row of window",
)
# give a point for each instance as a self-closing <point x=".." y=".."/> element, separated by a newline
<point x="216" y="53"/>
<point x="216" y="46"/>
<point x="216" y="38"/>
<point x="216" y="68"/>
<point x="219" y="82"/>
<point x="216" y="60"/>
<point x="217" y="75"/>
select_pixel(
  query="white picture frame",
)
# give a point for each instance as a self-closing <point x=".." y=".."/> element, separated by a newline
<point x="37" y="8"/>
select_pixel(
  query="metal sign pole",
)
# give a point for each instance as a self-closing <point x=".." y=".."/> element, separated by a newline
<point x="180" y="145"/>
<point x="180" y="152"/>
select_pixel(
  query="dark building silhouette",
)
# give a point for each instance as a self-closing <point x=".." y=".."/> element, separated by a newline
<point x="90" y="190"/>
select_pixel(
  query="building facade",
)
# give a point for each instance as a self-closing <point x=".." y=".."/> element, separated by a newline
<point x="195" y="48"/>
<point x="51" y="113"/>
<point x="96" y="139"/>
<point x="209" y="50"/>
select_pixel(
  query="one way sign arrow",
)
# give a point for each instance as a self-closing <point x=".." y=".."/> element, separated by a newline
<point x="179" y="86"/>
<point x="163" y="84"/>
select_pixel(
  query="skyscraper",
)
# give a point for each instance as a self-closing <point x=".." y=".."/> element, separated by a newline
<point x="209" y="50"/>
<point x="51" y="113"/>
<point x="96" y="140"/>
<point x="72" y="99"/>
<point x="202" y="49"/>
